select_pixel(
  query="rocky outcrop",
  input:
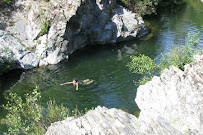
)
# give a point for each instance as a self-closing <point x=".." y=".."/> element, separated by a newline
<point x="176" y="96"/>
<point x="41" y="33"/>
<point x="171" y="104"/>
<point x="103" y="121"/>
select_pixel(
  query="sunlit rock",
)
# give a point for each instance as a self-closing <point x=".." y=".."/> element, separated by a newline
<point x="176" y="96"/>
<point x="51" y="31"/>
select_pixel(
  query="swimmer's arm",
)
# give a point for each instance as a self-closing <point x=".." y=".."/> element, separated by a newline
<point x="77" y="86"/>
<point x="66" y="83"/>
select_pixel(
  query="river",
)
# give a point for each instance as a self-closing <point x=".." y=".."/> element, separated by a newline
<point x="113" y="84"/>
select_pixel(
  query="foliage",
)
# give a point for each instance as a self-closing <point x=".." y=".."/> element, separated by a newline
<point x="28" y="8"/>
<point x="147" y="7"/>
<point x="24" y="117"/>
<point x="141" y="7"/>
<point x="29" y="116"/>
<point x="6" y="61"/>
<point x="39" y="41"/>
<point x="143" y="65"/>
<point x="44" y="23"/>
<point x="44" y="27"/>
<point x="181" y="55"/>
<point x="46" y="0"/>
<point x="56" y="112"/>
<point x="6" y="2"/>
<point x="177" y="56"/>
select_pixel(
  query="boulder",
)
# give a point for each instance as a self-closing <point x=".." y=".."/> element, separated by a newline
<point x="51" y="31"/>
<point x="103" y="121"/>
<point x="176" y="96"/>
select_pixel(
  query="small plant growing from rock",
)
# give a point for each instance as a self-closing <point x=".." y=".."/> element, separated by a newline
<point x="39" y="41"/>
<point x="44" y="27"/>
<point x="44" y="23"/>
<point x="46" y="0"/>
<point x="28" y="8"/>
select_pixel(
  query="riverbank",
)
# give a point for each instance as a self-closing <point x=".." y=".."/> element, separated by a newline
<point x="170" y="104"/>
<point x="37" y="33"/>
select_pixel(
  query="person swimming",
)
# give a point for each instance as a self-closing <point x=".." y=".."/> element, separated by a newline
<point x="76" y="83"/>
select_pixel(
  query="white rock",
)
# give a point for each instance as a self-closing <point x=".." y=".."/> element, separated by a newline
<point x="72" y="25"/>
<point x="181" y="101"/>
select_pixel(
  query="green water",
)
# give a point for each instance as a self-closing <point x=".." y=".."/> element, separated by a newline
<point x="113" y="85"/>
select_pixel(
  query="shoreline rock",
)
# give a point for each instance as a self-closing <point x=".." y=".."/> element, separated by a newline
<point x="48" y="32"/>
<point x="176" y="96"/>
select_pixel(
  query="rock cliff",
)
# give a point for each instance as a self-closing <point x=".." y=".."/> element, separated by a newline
<point x="171" y="104"/>
<point x="39" y="33"/>
<point x="176" y="96"/>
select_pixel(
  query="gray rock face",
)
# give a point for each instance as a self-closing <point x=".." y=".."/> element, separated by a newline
<point x="13" y="50"/>
<point x="171" y="104"/>
<point x="103" y="121"/>
<point x="72" y="24"/>
<point x="176" y="96"/>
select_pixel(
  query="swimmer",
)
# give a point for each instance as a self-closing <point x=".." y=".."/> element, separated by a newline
<point x="76" y="83"/>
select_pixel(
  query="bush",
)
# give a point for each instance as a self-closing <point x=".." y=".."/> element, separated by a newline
<point x="24" y="117"/>
<point x="143" y="65"/>
<point x="147" y="7"/>
<point x="177" y="56"/>
<point x="141" y="7"/>
<point x="181" y="55"/>
<point x="29" y="116"/>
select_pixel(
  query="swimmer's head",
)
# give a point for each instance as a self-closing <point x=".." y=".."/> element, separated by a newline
<point x="75" y="80"/>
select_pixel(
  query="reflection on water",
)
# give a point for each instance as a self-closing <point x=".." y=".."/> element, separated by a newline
<point x="113" y="85"/>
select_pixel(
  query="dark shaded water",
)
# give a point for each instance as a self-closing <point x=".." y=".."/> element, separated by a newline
<point x="113" y="85"/>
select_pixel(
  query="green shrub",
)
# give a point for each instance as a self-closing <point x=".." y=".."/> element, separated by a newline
<point x="29" y="116"/>
<point x="181" y="55"/>
<point x="24" y="117"/>
<point x="177" y="56"/>
<point x="147" y="7"/>
<point x="141" y="7"/>
<point x="56" y="112"/>
<point x="143" y="65"/>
